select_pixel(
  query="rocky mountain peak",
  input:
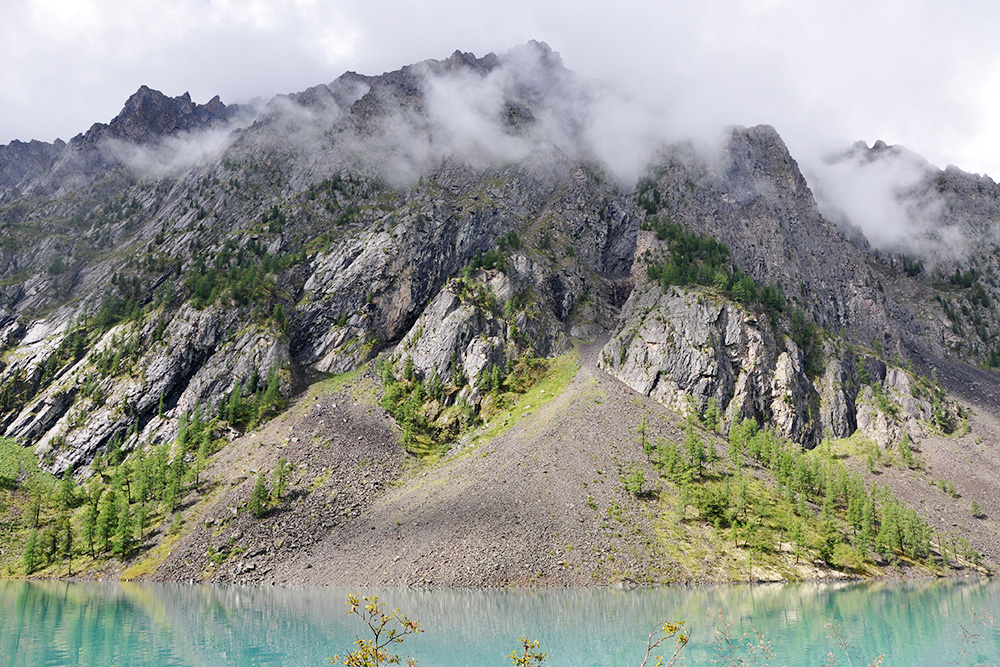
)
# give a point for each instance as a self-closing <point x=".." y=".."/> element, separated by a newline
<point x="149" y="115"/>
<point x="467" y="60"/>
<point x="20" y="162"/>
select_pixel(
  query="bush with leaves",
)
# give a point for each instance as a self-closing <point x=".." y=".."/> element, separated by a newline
<point x="387" y="629"/>
<point x="528" y="655"/>
<point x="670" y="630"/>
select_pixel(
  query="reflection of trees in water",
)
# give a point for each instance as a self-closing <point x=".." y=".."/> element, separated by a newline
<point x="121" y="624"/>
<point x="128" y="624"/>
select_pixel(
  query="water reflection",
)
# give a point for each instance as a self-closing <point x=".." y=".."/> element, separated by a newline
<point x="61" y="623"/>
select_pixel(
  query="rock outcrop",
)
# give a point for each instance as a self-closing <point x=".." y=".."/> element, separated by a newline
<point x="690" y="349"/>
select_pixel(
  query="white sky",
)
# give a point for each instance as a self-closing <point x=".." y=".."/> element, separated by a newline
<point x="922" y="73"/>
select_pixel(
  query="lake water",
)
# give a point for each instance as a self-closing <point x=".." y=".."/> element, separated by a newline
<point x="66" y="623"/>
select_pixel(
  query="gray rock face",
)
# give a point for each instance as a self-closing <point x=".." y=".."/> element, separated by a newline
<point x="150" y="115"/>
<point x="687" y="348"/>
<point x="456" y="338"/>
<point x="352" y="220"/>
<point x="752" y="197"/>
<point x="193" y="364"/>
<point x="20" y="163"/>
<point x="683" y="345"/>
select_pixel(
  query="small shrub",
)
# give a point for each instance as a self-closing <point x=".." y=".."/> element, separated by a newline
<point x="635" y="481"/>
<point x="387" y="629"/>
<point x="528" y="655"/>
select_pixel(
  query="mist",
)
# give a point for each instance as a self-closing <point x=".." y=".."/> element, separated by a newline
<point x="531" y="104"/>
<point x="528" y="105"/>
<point x="885" y="194"/>
<point x="171" y="155"/>
<point x="176" y="153"/>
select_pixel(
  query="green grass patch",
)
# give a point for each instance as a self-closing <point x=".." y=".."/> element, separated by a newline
<point x="354" y="383"/>
<point x="16" y="462"/>
<point x="153" y="559"/>
<point x="561" y="370"/>
<point x="335" y="383"/>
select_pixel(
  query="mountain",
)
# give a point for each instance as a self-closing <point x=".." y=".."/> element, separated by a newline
<point x="414" y="328"/>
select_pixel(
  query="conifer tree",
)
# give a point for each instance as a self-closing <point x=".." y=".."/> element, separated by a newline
<point x="67" y="490"/>
<point x="281" y="473"/>
<point x="271" y="401"/>
<point x="695" y="449"/>
<point x="797" y="535"/>
<point x="66" y="536"/>
<point x="88" y="528"/>
<point x="107" y="520"/>
<point x="141" y="519"/>
<point x="124" y="532"/>
<point x="31" y="556"/>
<point x="257" y="504"/>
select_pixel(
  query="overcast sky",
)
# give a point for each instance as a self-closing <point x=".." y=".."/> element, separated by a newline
<point x="920" y="73"/>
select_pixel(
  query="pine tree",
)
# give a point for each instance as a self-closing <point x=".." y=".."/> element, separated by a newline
<point x="497" y="380"/>
<point x="49" y="543"/>
<point x="194" y="429"/>
<point x="739" y="500"/>
<point x="798" y="537"/>
<point x="271" y="401"/>
<point x="829" y="538"/>
<point x="35" y="509"/>
<point x="66" y="542"/>
<point x="278" y="315"/>
<point x="140" y="475"/>
<point x="182" y="429"/>
<point x="281" y="473"/>
<point x="233" y="413"/>
<point x="31" y="556"/>
<point x="67" y="490"/>
<point x="88" y="528"/>
<point x="169" y="496"/>
<point x="257" y="504"/>
<point x="122" y="480"/>
<point x="175" y="482"/>
<point x="695" y="449"/>
<point x="141" y="519"/>
<point x="866" y="530"/>
<point x="107" y="520"/>
<point x="887" y="541"/>
<point x="828" y="506"/>
<point x="115" y="455"/>
<point x="976" y="510"/>
<point x="124" y="532"/>
<point x="158" y="466"/>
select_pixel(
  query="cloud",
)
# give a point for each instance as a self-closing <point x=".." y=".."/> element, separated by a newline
<point x="884" y="193"/>
<point x="917" y="73"/>
<point x="68" y="64"/>
<point x="172" y="154"/>
<point x="465" y="111"/>
<point x="525" y="103"/>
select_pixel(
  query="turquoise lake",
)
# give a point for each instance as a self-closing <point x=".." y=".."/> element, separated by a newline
<point x="71" y="623"/>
